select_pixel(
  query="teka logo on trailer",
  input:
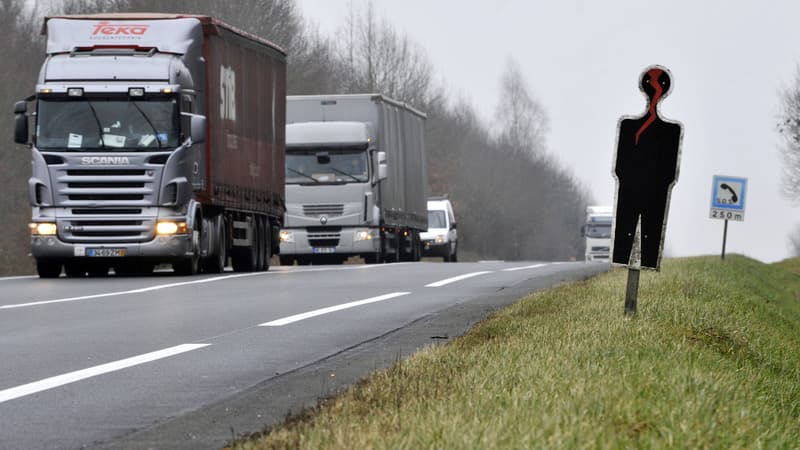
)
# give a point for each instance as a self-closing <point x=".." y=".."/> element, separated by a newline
<point x="111" y="29"/>
<point x="105" y="161"/>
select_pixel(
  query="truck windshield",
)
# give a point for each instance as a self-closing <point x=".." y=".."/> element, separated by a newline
<point x="598" y="230"/>
<point x="325" y="166"/>
<point x="110" y="123"/>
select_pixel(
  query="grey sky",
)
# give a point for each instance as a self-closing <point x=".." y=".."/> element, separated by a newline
<point x="582" y="60"/>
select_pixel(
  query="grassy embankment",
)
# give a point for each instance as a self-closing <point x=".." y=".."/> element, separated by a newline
<point x="711" y="361"/>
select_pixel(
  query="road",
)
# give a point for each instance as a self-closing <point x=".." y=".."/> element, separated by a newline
<point x="187" y="362"/>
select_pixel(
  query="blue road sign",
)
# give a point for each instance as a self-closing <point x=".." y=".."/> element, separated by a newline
<point x="728" y="196"/>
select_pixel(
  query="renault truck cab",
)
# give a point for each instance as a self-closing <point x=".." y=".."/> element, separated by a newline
<point x="441" y="239"/>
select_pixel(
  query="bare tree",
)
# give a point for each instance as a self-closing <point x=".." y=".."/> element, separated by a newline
<point x="520" y="116"/>
<point x="379" y="59"/>
<point x="794" y="241"/>
<point x="789" y="128"/>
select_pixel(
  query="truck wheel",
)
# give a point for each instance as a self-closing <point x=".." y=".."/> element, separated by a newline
<point x="454" y="258"/>
<point x="74" y="269"/>
<point x="286" y="260"/>
<point x="191" y="265"/>
<point x="47" y="268"/>
<point x="216" y="262"/>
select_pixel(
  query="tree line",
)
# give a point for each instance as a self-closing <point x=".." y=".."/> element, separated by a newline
<point x="512" y="200"/>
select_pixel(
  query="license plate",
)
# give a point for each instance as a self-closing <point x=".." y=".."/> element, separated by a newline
<point x="323" y="249"/>
<point x="105" y="252"/>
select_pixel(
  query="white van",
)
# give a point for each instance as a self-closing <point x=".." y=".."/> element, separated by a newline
<point x="441" y="239"/>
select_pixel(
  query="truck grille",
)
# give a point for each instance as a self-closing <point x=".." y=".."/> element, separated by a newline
<point x="106" y="187"/>
<point x="101" y="229"/>
<point x="107" y="204"/>
<point x="323" y="242"/>
<point x="600" y="249"/>
<point x="326" y="210"/>
<point x="324" y="236"/>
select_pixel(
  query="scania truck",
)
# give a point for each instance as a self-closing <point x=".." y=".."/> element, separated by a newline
<point x="597" y="231"/>
<point x="356" y="180"/>
<point x="157" y="139"/>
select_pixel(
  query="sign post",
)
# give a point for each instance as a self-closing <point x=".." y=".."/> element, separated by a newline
<point x="645" y="168"/>
<point x="727" y="201"/>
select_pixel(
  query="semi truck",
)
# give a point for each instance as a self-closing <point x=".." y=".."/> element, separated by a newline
<point x="597" y="231"/>
<point x="158" y="139"/>
<point x="356" y="180"/>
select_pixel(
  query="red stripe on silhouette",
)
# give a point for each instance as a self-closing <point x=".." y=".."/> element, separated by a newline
<point x="654" y="75"/>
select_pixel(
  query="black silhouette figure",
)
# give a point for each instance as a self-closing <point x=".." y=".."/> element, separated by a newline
<point x="646" y="168"/>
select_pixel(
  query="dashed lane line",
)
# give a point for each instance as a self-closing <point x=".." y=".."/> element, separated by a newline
<point x="458" y="278"/>
<point x="330" y="309"/>
<point x="72" y="377"/>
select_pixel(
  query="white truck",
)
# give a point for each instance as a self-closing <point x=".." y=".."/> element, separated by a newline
<point x="355" y="180"/>
<point x="597" y="231"/>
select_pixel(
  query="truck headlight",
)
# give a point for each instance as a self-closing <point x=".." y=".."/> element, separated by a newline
<point x="287" y="236"/>
<point x="363" y="235"/>
<point x="169" y="228"/>
<point x="440" y="239"/>
<point x="43" y="229"/>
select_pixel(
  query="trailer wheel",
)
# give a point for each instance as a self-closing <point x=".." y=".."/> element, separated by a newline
<point x="264" y="247"/>
<point x="47" y="268"/>
<point x="245" y="259"/>
<point x="267" y="245"/>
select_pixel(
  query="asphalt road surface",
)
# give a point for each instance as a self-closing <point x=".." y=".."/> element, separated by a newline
<point x="190" y="362"/>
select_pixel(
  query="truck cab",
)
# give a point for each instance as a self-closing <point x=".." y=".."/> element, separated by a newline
<point x="597" y="232"/>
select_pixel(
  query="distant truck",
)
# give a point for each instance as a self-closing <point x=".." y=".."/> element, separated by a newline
<point x="355" y="180"/>
<point x="597" y="231"/>
<point x="441" y="238"/>
<point x="159" y="138"/>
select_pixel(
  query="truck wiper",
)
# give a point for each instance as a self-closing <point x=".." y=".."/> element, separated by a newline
<point x="303" y="175"/>
<point x="99" y="126"/>
<point x="342" y="172"/>
<point x="155" y="130"/>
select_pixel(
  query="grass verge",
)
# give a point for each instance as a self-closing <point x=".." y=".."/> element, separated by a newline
<point x="711" y="361"/>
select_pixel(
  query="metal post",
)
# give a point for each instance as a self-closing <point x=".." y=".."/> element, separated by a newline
<point x="724" y="238"/>
<point x="632" y="293"/>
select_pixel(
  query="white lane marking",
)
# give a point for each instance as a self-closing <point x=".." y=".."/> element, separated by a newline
<point x="21" y="277"/>
<point x="330" y="309"/>
<point x="72" y="377"/>
<point x="514" y="269"/>
<point x="132" y="291"/>
<point x="184" y="283"/>
<point x="458" y="278"/>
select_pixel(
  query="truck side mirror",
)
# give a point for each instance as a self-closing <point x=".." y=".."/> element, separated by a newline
<point x="196" y="125"/>
<point x="382" y="167"/>
<point x="21" y="135"/>
<point x="583" y="230"/>
<point x="20" y="107"/>
<point x="453" y="226"/>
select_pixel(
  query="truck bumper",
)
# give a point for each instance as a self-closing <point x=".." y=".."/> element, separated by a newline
<point x="305" y="243"/>
<point x="430" y="248"/>
<point x="162" y="248"/>
<point x="597" y="257"/>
